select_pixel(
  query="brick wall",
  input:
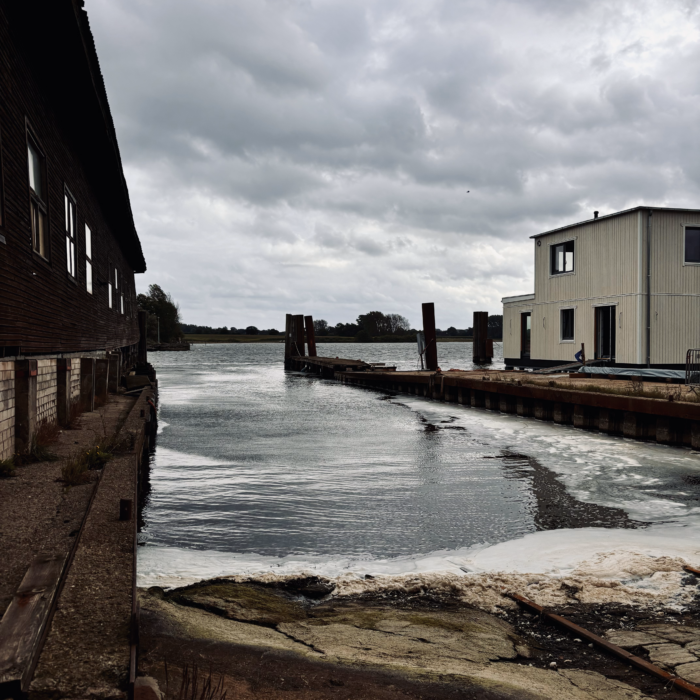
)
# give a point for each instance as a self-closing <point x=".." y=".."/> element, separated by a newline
<point x="46" y="391"/>
<point x="7" y="409"/>
<point x="75" y="379"/>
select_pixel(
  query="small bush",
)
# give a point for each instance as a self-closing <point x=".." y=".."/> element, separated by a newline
<point x="75" y="471"/>
<point x="96" y="457"/>
<point x="7" y="468"/>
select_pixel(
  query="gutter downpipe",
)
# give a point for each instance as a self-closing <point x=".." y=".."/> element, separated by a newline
<point x="649" y="289"/>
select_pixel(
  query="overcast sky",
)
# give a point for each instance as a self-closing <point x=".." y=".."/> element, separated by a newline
<point x="314" y="156"/>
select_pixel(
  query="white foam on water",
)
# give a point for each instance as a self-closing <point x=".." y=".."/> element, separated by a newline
<point x="641" y="567"/>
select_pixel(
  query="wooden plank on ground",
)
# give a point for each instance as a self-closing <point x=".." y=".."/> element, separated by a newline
<point x="25" y="621"/>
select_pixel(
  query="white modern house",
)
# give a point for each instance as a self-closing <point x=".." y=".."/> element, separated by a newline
<point x="626" y="285"/>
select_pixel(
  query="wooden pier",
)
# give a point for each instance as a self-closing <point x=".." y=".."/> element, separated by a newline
<point x="643" y="410"/>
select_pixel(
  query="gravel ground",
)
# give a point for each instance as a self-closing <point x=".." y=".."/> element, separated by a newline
<point x="39" y="513"/>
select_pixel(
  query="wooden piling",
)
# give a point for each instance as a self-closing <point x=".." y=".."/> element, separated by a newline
<point x="288" y="325"/>
<point x="310" y="335"/>
<point x="431" y="358"/>
<point x="63" y="387"/>
<point x="299" y="347"/>
<point x="25" y="404"/>
<point x="480" y="345"/>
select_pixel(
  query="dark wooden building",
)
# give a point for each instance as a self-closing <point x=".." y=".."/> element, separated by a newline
<point x="68" y="244"/>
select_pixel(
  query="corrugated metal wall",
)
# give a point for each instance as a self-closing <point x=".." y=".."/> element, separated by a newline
<point x="675" y="289"/>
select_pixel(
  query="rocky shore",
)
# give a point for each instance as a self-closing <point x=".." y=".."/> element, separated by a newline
<point x="303" y="638"/>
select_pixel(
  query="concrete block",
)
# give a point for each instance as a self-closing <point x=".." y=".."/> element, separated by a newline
<point x="136" y="381"/>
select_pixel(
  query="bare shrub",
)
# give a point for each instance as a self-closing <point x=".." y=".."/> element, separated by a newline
<point x="75" y="471"/>
<point x="637" y="385"/>
<point x="194" y="687"/>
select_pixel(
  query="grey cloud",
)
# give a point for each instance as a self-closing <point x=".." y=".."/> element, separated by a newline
<point x="318" y="153"/>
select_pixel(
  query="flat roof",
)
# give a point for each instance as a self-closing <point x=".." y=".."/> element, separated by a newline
<point x="610" y="216"/>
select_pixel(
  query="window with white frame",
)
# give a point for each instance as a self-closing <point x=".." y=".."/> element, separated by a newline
<point x="566" y="324"/>
<point x="37" y="198"/>
<point x="562" y="258"/>
<point x="88" y="259"/>
<point x="692" y="245"/>
<point x="70" y="224"/>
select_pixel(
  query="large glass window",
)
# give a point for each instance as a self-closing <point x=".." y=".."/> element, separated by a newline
<point x="692" y="245"/>
<point x="69" y="206"/>
<point x="37" y="192"/>
<point x="562" y="258"/>
<point x="88" y="259"/>
<point x="567" y="324"/>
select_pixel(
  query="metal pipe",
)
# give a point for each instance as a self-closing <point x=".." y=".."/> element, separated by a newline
<point x="649" y="289"/>
<point x="641" y="664"/>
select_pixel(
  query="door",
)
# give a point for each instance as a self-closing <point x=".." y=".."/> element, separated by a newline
<point x="525" y="334"/>
<point x="605" y="333"/>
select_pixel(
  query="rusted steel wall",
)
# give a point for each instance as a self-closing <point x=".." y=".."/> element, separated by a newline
<point x="43" y="308"/>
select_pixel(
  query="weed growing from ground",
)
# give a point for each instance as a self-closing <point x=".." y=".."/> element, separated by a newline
<point x="75" y="471"/>
<point x="7" y="468"/>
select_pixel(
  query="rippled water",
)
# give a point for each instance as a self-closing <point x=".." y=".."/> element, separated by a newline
<point x="255" y="460"/>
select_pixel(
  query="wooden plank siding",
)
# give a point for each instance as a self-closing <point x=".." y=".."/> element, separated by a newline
<point x="42" y="308"/>
<point x="610" y="269"/>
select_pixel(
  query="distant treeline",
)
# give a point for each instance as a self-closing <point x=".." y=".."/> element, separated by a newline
<point x="373" y="326"/>
<point x="190" y="329"/>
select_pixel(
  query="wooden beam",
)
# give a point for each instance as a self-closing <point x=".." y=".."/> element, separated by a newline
<point x="26" y="620"/>
<point x="299" y="347"/>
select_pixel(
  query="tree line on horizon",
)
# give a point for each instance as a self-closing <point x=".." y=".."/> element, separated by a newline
<point x="372" y="326"/>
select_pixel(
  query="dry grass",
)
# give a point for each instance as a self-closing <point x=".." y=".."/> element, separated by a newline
<point x="194" y="686"/>
<point x="76" y="469"/>
<point x="634" y="388"/>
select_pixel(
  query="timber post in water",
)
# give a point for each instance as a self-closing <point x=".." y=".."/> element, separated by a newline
<point x="299" y="347"/>
<point x="288" y="324"/>
<point x="482" y="350"/>
<point x="431" y="358"/>
<point x="310" y="335"/>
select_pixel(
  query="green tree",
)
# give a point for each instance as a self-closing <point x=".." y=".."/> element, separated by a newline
<point x="161" y="309"/>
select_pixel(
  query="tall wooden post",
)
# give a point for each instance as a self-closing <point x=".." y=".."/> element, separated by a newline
<point x="288" y="326"/>
<point x="87" y="384"/>
<point x="480" y="350"/>
<point x="143" y="322"/>
<point x="310" y="335"/>
<point x="63" y="402"/>
<point x="299" y="347"/>
<point x="101" y="381"/>
<point x="25" y="404"/>
<point x="431" y="358"/>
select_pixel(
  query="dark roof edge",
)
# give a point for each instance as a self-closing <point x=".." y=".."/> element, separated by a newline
<point x="610" y="216"/>
<point x="93" y="62"/>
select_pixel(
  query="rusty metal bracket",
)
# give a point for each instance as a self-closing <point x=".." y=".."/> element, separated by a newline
<point x="613" y="649"/>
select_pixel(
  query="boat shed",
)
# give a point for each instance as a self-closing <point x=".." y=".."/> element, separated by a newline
<point x="625" y="287"/>
<point x="69" y="250"/>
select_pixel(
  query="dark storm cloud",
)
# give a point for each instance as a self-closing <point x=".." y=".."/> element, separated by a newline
<point x="316" y="155"/>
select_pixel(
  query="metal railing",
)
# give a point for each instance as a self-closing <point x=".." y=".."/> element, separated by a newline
<point x="692" y="367"/>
